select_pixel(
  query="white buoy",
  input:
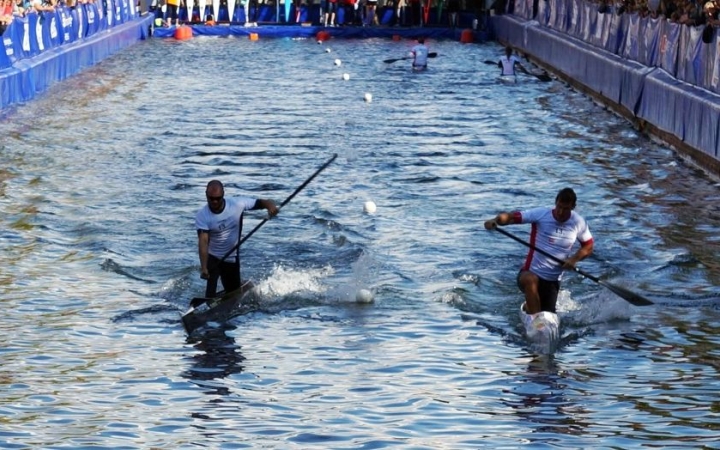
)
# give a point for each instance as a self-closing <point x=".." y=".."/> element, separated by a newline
<point x="369" y="207"/>
<point x="364" y="296"/>
<point x="368" y="97"/>
<point x="327" y="50"/>
<point x="346" y="76"/>
<point x="338" y="62"/>
<point x="319" y="41"/>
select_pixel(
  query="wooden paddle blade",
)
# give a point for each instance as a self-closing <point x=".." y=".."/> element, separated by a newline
<point x="493" y="63"/>
<point x="432" y="55"/>
<point x="543" y="77"/>
<point x="629" y="296"/>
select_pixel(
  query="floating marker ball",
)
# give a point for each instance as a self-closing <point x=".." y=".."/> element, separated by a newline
<point x="327" y="50"/>
<point x="368" y="97"/>
<point x="369" y="207"/>
<point x="364" y="296"/>
<point x="338" y="62"/>
<point x="346" y="76"/>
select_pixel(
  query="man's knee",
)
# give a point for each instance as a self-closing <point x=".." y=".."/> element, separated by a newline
<point x="527" y="279"/>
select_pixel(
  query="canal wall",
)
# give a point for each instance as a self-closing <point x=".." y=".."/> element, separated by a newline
<point x="663" y="77"/>
<point x="42" y="48"/>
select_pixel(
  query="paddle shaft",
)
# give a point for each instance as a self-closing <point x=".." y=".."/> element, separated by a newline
<point x="539" y="76"/>
<point x="631" y="297"/>
<point x="388" y="61"/>
<point x="285" y="202"/>
<point x="556" y="259"/>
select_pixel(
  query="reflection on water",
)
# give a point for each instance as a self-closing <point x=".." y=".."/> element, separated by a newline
<point x="539" y="397"/>
<point x="218" y="356"/>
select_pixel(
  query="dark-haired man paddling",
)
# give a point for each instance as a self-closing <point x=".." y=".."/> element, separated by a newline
<point x="555" y="231"/>
<point x="508" y="63"/>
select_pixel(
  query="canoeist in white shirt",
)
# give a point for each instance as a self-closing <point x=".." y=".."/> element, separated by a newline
<point x="555" y="231"/>
<point x="508" y="62"/>
<point x="419" y="53"/>
<point x="219" y="224"/>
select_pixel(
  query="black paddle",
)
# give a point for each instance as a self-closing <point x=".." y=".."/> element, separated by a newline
<point x="628" y="295"/>
<point x="392" y="60"/>
<point x="540" y="76"/>
<point x="285" y="202"/>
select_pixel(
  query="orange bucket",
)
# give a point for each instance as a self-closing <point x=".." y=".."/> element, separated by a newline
<point x="254" y="36"/>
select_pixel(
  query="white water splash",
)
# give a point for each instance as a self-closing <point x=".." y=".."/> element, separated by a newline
<point x="600" y="307"/>
<point x="283" y="281"/>
<point x="362" y="277"/>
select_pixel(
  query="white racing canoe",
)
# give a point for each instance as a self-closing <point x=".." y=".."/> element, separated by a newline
<point x="542" y="329"/>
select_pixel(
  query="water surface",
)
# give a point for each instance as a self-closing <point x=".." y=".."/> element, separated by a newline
<point x="101" y="178"/>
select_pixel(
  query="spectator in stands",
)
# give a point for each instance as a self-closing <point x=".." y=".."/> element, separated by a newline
<point x="329" y="19"/>
<point x="171" y="15"/>
<point x="348" y="7"/>
<point x="710" y="13"/>
<point x="20" y="7"/>
<point x="6" y="14"/>
<point x="453" y="7"/>
<point x="415" y="13"/>
<point x="42" y="5"/>
<point x="666" y="9"/>
<point x="400" y="12"/>
<point x="653" y="7"/>
<point x="370" y="17"/>
<point x="689" y="14"/>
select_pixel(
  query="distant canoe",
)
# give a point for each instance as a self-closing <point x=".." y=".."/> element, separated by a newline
<point x="507" y="79"/>
<point x="220" y="308"/>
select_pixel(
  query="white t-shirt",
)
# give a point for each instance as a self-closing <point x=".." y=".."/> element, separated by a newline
<point x="420" y="52"/>
<point x="508" y="65"/>
<point x="224" y="227"/>
<point x="555" y="238"/>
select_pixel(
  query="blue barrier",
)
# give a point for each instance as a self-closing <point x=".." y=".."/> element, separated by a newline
<point x="43" y="48"/>
<point x="660" y="73"/>
<point x="653" y="42"/>
<point x="37" y="32"/>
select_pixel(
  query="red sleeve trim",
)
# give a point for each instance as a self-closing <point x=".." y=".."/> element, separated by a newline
<point x="516" y="217"/>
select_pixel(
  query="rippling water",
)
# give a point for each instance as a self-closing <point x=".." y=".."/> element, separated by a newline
<point x="101" y="178"/>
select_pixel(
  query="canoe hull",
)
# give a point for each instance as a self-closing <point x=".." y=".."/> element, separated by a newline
<point x="217" y="309"/>
<point x="542" y="329"/>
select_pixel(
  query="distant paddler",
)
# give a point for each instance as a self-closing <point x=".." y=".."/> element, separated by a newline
<point x="419" y="55"/>
<point x="219" y="225"/>
<point x="508" y="63"/>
